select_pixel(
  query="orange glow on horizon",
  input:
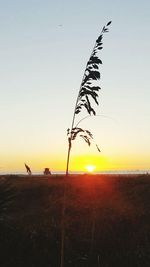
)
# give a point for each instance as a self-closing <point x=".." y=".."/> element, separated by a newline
<point x="78" y="163"/>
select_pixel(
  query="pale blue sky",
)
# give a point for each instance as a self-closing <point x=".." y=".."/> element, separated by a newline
<point x="41" y="68"/>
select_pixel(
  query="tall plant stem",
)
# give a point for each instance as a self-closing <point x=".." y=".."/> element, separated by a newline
<point x="63" y="229"/>
<point x="68" y="158"/>
<point x="70" y="139"/>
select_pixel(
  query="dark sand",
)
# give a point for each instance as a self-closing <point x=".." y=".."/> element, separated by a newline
<point x="107" y="220"/>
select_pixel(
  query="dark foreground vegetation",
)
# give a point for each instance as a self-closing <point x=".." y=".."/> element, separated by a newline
<point x="107" y="221"/>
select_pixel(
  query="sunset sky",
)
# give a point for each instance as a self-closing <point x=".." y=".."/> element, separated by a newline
<point x="44" y="47"/>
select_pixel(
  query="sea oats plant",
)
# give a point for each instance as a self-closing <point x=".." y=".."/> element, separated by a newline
<point x="88" y="91"/>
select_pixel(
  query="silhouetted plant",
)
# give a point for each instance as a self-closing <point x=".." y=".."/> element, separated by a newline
<point x="6" y="196"/>
<point x="88" y="91"/>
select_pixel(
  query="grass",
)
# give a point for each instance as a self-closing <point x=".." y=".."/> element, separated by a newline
<point x="107" y="221"/>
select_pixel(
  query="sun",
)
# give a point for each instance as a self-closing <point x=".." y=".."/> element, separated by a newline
<point x="90" y="168"/>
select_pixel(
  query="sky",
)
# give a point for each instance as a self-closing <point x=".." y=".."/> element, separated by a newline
<point x="44" y="48"/>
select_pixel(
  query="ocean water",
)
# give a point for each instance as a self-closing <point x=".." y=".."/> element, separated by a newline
<point x="82" y="172"/>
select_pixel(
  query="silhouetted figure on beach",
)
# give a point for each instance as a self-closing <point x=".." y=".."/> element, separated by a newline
<point x="47" y="171"/>
<point x="28" y="169"/>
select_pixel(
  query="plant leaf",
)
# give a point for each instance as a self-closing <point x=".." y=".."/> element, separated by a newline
<point x="75" y="131"/>
<point x="89" y="133"/>
<point x="94" y="60"/>
<point x="86" y="139"/>
<point x="109" y="23"/>
<point x="98" y="148"/>
<point x="93" y="88"/>
<point x="95" y="66"/>
<point x="99" y="39"/>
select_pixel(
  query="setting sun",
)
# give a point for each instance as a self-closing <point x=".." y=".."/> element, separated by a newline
<point x="90" y="168"/>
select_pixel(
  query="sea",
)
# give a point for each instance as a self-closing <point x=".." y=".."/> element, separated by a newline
<point x="126" y="172"/>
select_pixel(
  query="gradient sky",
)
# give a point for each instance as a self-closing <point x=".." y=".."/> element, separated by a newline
<point x="44" y="47"/>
